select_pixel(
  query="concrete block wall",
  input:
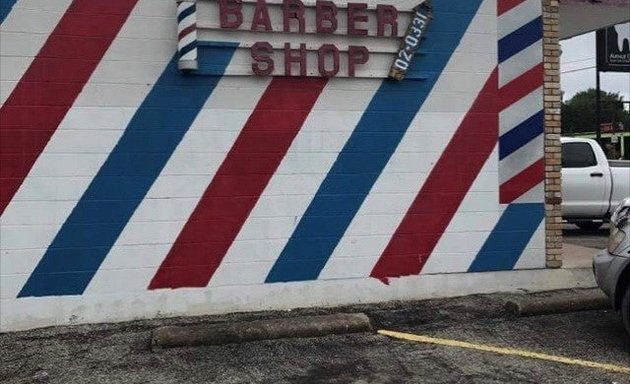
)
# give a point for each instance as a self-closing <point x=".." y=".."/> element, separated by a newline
<point x="130" y="190"/>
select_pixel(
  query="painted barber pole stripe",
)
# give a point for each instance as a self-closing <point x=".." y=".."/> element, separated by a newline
<point x="518" y="64"/>
<point x="509" y="238"/>
<point x="514" y="115"/>
<point x="521" y="165"/>
<point x="90" y="231"/>
<point x="534" y="195"/>
<point x="523" y="182"/>
<point x="520" y="39"/>
<point x="238" y="184"/>
<point x="443" y="192"/>
<point x="521" y="87"/>
<point x="520" y="98"/>
<point x="504" y="6"/>
<point x="517" y="17"/>
<point x="339" y="197"/>
<point x="52" y="83"/>
<point x="520" y="159"/>
<point x="520" y="135"/>
<point x="187" y="35"/>
<point x="5" y="8"/>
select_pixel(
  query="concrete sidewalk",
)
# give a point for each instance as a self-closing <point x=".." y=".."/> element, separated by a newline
<point x="576" y="257"/>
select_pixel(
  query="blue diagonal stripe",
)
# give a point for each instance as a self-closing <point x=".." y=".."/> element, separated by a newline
<point x="189" y="47"/>
<point x="187" y="12"/>
<point x="522" y="134"/>
<point x="5" y="8"/>
<point x="363" y="158"/>
<point x="508" y="240"/>
<point x="132" y="167"/>
<point x="520" y="39"/>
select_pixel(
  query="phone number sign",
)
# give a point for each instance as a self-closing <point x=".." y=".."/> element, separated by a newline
<point x="411" y="42"/>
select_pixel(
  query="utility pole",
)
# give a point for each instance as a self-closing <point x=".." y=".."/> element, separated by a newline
<point x="598" y="108"/>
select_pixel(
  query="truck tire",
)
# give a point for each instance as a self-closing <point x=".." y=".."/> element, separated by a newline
<point x="589" y="225"/>
<point x="625" y="309"/>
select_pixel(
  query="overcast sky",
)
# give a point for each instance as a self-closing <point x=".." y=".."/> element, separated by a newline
<point x="579" y="53"/>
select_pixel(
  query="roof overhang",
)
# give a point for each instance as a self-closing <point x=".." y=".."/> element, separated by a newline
<point x="581" y="16"/>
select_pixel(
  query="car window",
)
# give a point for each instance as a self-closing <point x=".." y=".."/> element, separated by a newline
<point x="577" y="155"/>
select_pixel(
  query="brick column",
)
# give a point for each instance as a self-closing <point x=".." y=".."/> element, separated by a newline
<point x="553" y="165"/>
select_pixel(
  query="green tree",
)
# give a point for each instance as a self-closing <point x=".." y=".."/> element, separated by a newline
<point x="579" y="113"/>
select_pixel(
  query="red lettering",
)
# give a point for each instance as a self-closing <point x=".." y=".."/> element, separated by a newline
<point x="261" y="53"/>
<point x="356" y="14"/>
<point x="326" y="11"/>
<point x="293" y="10"/>
<point x="261" y="17"/>
<point x="324" y="51"/>
<point x="231" y="15"/>
<point x="290" y="59"/>
<point x="387" y="15"/>
<point x="356" y="55"/>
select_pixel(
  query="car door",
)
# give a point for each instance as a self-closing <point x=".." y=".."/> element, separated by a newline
<point x="584" y="182"/>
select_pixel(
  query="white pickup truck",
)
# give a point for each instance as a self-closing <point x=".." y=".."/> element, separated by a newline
<point x="592" y="186"/>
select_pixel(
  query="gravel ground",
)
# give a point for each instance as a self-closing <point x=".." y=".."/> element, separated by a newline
<point x="121" y="353"/>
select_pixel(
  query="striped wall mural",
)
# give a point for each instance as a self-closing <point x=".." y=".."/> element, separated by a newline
<point x="521" y="139"/>
<point x="5" y="8"/>
<point x="130" y="175"/>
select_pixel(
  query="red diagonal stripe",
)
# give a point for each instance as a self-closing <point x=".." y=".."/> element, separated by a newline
<point x="523" y="182"/>
<point x="238" y="184"/>
<point x="445" y="188"/>
<point x="505" y="5"/>
<point x="52" y="83"/>
<point x="186" y="31"/>
<point x="521" y="86"/>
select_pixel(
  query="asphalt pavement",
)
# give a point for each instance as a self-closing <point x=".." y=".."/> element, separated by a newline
<point x="122" y="353"/>
<point x="597" y="239"/>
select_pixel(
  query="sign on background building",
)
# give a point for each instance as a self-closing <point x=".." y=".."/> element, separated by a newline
<point x="613" y="48"/>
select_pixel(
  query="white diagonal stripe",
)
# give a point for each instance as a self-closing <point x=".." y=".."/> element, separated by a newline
<point x="522" y="158"/>
<point x="520" y="63"/>
<point x="520" y="111"/>
<point x="518" y="16"/>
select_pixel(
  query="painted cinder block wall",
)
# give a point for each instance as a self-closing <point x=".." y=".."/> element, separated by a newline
<point x="130" y="190"/>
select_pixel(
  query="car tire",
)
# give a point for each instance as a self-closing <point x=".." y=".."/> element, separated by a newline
<point x="625" y="309"/>
<point x="589" y="225"/>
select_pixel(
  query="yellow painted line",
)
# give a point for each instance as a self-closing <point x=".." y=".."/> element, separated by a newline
<point x="504" y="351"/>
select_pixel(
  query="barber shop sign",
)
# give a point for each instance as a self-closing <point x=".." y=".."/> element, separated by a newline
<point x="296" y="38"/>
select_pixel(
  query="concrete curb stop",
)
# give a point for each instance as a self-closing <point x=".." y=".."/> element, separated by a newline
<point x="228" y="333"/>
<point x="578" y="300"/>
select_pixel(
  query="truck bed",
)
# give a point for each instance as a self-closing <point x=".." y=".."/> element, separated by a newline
<point x="619" y="163"/>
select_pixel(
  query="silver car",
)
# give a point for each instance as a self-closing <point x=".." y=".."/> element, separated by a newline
<point x="612" y="265"/>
